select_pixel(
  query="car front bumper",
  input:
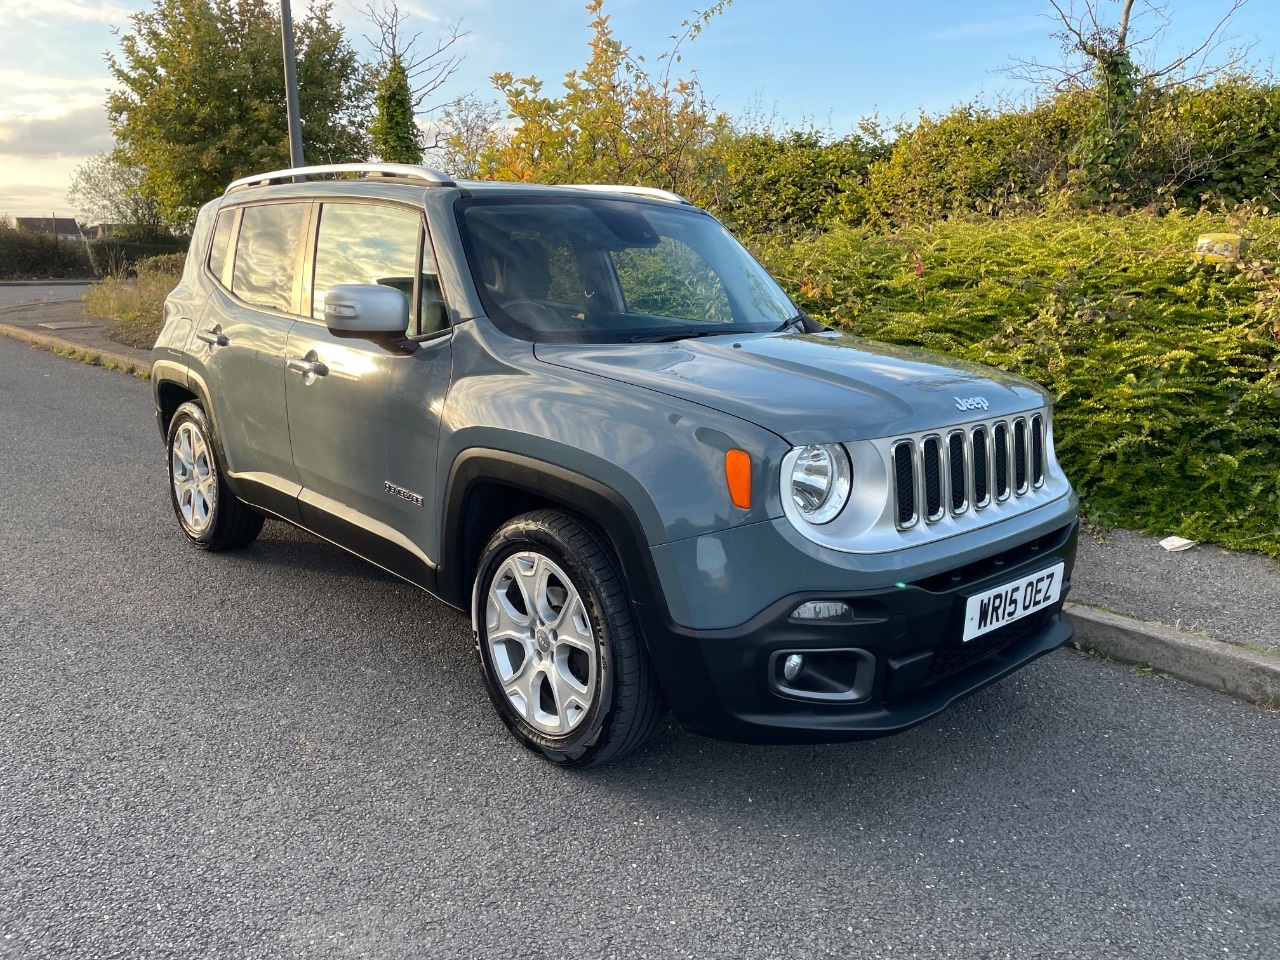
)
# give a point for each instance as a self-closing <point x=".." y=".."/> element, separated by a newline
<point x="901" y="654"/>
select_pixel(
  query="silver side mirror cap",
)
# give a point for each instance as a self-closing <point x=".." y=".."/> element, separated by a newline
<point x="365" y="308"/>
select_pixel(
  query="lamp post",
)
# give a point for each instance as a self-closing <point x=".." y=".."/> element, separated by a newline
<point x="291" y="87"/>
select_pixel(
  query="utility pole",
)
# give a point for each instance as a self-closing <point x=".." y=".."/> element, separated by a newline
<point x="291" y="87"/>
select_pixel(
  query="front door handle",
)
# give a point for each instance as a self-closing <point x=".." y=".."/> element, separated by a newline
<point x="310" y="369"/>
<point x="214" y="337"/>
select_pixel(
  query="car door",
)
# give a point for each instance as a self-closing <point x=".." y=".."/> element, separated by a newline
<point x="242" y="334"/>
<point x="364" y="411"/>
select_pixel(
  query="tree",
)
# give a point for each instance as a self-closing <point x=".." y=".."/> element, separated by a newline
<point x="200" y="98"/>
<point x="1111" y="62"/>
<point x="469" y="134"/>
<point x="1091" y="42"/>
<point x="425" y="73"/>
<point x="395" y="134"/>
<point x="405" y="77"/>
<point x="615" y="120"/>
<point x="108" y="188"/>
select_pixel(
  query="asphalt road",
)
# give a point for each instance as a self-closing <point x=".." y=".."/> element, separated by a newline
<point x="12" y="294"/>
<point x="284" y="753"/>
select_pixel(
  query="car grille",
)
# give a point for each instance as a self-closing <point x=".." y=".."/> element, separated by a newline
<point x="952" y="656"/>
<point x="985" y="463"/>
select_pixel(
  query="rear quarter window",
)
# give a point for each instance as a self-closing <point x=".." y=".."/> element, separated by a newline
<point x="221" y="242"/>
<point x="267" y="253"/>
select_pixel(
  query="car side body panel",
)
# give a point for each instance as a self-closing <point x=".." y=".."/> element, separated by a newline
<point x="643" y="445"/>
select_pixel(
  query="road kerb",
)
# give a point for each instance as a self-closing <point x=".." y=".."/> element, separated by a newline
<point x="94" y="355"/>
<point x="1215" y="664"/>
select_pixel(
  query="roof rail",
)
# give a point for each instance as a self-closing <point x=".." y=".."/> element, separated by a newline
<point x="433" y="177"/>
<point x="652" y="192"/>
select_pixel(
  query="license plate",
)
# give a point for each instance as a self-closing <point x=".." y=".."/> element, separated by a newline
<point x="1014" y="600"/>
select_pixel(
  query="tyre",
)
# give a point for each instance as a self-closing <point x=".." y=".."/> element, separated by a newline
<point x="562" y="658"/>
<point x="212" y="517"/>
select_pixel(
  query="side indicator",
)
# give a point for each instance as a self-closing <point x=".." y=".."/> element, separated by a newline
<point x="737" y="471"/>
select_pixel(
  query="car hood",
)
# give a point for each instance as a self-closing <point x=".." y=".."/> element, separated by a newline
<point x="809" y="388"/>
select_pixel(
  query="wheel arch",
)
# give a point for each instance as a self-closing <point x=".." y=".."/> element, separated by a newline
<point x="486" y="488"/>
<point x="170" y="395"/>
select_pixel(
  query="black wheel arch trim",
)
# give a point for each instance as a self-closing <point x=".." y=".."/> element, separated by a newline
<point x="579" y="494"/>
<point x="195" y="386"/>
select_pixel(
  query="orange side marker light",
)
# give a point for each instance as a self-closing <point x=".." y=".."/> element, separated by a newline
<point x="737" y="470"/>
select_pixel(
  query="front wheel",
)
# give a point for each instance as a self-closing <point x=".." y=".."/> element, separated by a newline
<point x="562" y="657"/>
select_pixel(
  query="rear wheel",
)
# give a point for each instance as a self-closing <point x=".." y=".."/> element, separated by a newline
<point x="212" y="517"/>
<point x="562" y="657"/>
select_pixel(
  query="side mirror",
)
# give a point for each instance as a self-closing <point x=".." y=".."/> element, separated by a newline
<point x="365" y="308"/>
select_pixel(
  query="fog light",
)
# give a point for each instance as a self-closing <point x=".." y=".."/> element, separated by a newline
<point x="822" y="610"/>
<point x="792" y="666"/>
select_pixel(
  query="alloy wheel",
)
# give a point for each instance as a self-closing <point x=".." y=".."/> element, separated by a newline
<point x="195" y="479"/>
<point x="541" y="643"/>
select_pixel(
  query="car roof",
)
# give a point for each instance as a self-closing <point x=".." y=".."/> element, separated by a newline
<point x="392" y="180"/>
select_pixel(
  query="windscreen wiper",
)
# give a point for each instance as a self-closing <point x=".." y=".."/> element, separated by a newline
<point x="806" y="324"/>
<point x="690" y="334"/>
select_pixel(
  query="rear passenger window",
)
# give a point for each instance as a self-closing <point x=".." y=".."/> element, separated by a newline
<point x="367" y="243"/>
<point x="266" y="254"/>
<point x="221" y="242"/>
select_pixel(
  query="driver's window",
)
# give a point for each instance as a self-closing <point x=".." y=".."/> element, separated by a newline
<point x="367" y="243"/>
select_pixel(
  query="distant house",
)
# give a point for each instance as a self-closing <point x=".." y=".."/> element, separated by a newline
<point x="100" y="231"/>
<point x="64" y="228"/>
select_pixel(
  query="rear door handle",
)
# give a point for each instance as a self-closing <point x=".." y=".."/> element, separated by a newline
<point x="214" y="337"/>
<point x="308" y="368"/>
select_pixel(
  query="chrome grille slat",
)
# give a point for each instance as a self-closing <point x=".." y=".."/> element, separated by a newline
<point x="1020" y="455"/>
<point x="981" y="467"/>
<point x="957" y="474"/>
<point x="941" y="475"/>
<point x="1037" y="451"/>
<point x="1000" y="441"/>
<point x="931" y="471"/>
<point x="904" y="478"/>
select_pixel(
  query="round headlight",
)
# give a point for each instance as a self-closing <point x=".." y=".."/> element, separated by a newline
<point x="821" y="479"/>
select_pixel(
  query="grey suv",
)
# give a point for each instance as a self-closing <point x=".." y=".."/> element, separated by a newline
<point x="588" y="417"/>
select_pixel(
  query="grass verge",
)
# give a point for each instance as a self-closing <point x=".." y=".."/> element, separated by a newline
<point x="136" y="303"/>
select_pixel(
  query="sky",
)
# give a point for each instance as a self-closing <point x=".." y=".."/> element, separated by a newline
<point x="827" y="62"/>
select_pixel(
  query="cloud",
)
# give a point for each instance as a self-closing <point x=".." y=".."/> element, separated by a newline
<point x="62" y="10"/>
<point x="46" y="85"/>
<point x="75" y="133"/>
<point x="37" y="188"/>
<point x="999" y="26"/>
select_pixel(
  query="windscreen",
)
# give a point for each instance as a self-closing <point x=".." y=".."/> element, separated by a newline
<point x="596" y="270"/>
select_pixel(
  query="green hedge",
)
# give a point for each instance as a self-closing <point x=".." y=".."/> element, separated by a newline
<point x="112" y="256"/>
<point x="25" y="256"/>
<point x="1187" y="147"/>
<point x="799" y="180"/>
<point x="1165" y="374"/>
<point x="168" y="265"/>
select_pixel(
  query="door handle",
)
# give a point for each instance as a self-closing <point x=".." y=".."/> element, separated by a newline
<point x="214" y="338"/>
<point x="308" y="368"/>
